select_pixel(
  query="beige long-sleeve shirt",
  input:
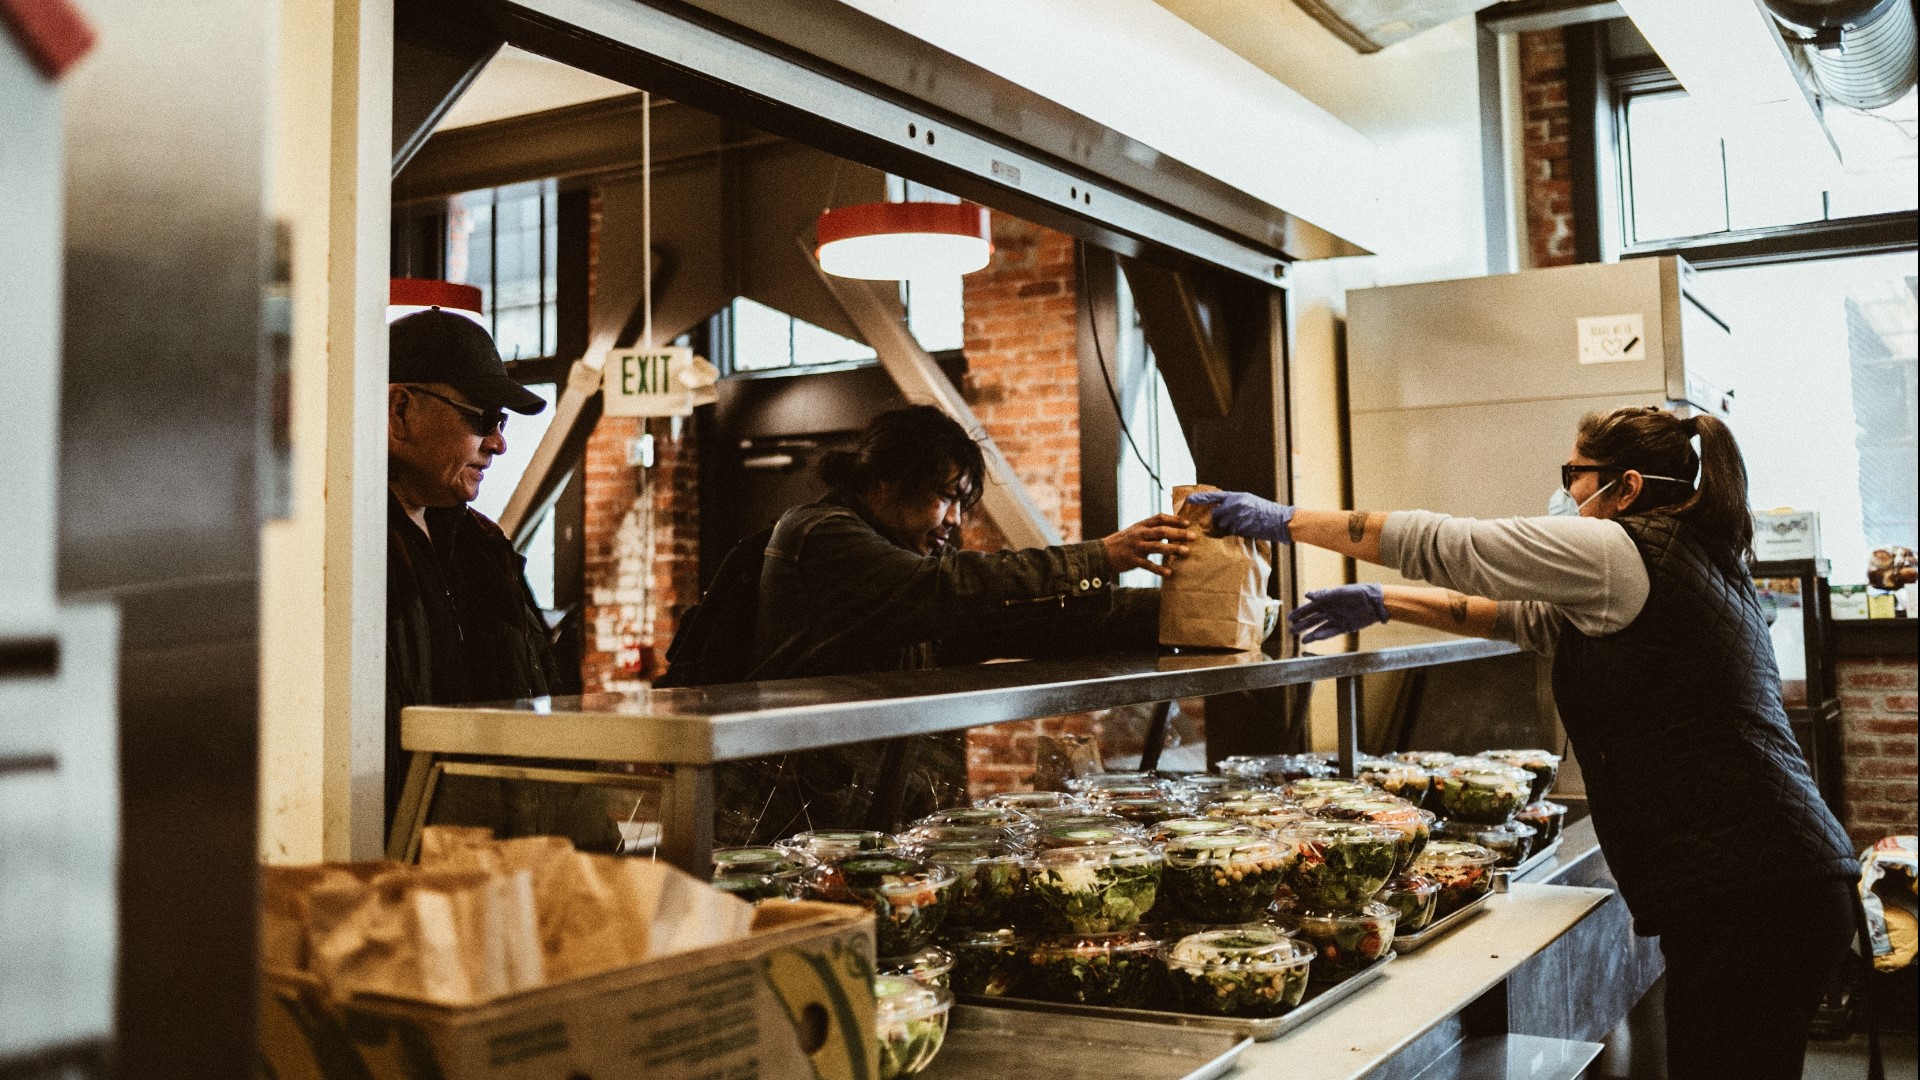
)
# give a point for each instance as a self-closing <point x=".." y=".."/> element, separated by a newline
<point x="1546" y="572"/>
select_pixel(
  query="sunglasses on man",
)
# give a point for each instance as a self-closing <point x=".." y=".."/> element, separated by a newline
<point x="483" y="422"/>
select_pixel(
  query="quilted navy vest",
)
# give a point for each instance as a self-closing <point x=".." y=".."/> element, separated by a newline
<point x="1700" y="794"/>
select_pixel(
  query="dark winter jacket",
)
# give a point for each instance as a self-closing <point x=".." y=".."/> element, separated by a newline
<point x="1700" y="794"/>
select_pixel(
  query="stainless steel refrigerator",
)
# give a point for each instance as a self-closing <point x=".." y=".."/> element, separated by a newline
<point x="1463" y="397"/>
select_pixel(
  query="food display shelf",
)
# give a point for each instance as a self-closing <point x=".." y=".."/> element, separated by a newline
<point x="686" y="731"/>
<point x="1259" y="1030"/>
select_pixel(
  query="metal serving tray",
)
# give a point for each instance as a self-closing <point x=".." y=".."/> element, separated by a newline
<point x="1257" y="1030"/>
<point x="1016" y="1042"/>
<point x="1439" y="928"/>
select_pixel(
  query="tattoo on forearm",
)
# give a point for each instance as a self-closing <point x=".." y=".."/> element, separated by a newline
<point x="1457" y="607"/>
<point x="1357" y="526"/>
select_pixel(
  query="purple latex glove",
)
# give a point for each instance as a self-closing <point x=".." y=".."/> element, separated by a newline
<point x="1343" y="609"/>
<point x="1237" y="513"/>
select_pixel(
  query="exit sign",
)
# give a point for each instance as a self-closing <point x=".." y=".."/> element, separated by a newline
<point x="648" y="382"/>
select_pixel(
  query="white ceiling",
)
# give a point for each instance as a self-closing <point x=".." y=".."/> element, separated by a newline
<point x="516" y="82"/>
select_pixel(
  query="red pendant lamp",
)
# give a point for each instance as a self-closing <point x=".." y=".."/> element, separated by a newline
<point x="406" y="295"/>
<point x="888" y="241"/>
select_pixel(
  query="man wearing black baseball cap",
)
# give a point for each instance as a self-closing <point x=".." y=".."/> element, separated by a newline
<point x="462" y="626"/>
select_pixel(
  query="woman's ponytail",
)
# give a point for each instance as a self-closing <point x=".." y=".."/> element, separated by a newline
<point x="1656" y="443"/>
<point x="1719" y="504"/>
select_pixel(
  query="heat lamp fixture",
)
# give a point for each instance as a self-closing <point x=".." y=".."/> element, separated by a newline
<point x="408" y="295"/>
<point x="900" y="241"/>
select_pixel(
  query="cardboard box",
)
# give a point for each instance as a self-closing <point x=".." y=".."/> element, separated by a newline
<point x="792" y="1002"/>
<point x="1779" y="535"/>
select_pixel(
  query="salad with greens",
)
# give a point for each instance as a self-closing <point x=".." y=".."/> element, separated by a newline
<point x="976" y="816"/>
<point x="1482" y="792"/>
<point x="1339" y="865"/>
<point x="1029" y="803"/>
<point x="1097" y="832"/>
<point x="1096" y="889"/>
<point x="1222" y="877"/>
<point x="1510" y="843"/>
<point x="1414" y="898"/>
<point x="1542" y="764"/>
<point x="755" y="887"/>
<point x="1120" y="970"/>
<point x="909" y="897"/>
<point x="1276" y="768"/>
<point x="1414" y="825"/>
<point x="910" y="1021"/>
<point x="1345" y="942"/>
<point x="1253" y="971"/>
<point x="759" y="873"/>
<point x="991" y="880"/>
<point x="1464" y="871"/>
<point x="1313" y="794"/>
<point x="1397" y="778"/>
<point x="986" y="962"/>
<point x="1145" y="810"/>
<point x="1194" y="826"/>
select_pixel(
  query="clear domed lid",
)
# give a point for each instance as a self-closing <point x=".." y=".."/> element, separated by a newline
<point x="1248" y="948"/>
<point x="899" y="1000"/>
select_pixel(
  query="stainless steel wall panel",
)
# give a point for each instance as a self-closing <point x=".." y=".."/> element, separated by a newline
<point x="163" y="419"/>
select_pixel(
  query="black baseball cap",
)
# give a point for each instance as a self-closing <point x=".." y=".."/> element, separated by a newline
<point x="438" y="346"/>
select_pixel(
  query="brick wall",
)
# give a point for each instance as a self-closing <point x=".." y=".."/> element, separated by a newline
<point x="642" y="550"/>
<point x="1878" y="725"/>
<point x="1549" y="179"/>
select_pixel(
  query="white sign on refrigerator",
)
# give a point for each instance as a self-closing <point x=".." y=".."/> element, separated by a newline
<point x="1612" y="339"/>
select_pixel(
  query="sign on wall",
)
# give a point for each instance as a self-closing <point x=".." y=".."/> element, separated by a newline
<point x="649" y="382"/>
<point x="1612" y="339"/>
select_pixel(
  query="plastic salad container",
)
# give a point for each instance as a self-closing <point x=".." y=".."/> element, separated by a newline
<point x="984" y="816"/>
<point x="1464" y="871"/>
<point x="1254" y="971"/>
<point x="1397" y="778"/>
<point x="910" y="1021"/>
<point x="966" y="834"/>
<point x="1414" y="825"/>
<point x="1198" y="786"/>
<point x="991" y="880"/>
<point x="1118" y="969"/>
<point x="1414" y="898"/>
<point x="1276" y="768"/>
<point x="1092" y="832"/>
<point x="1146" y="810"/>
<point x="1482" y="792"/>
<point x="755" y="887"/>
<point x="1313" y="794"/>
<point x="1094" y="890"/>
<point x="1345" y="942"/>
<point x="830" y="845"/>
<point x="1543" y="764"/>
<point x="1221" y="878"/>
<point x="931" y="966"/>
<point x="909" y="897"/>
<point x="1430" y="760"/>
<point x="986" y="963"/>
<point x="1252" y="804"/>
<point x="1028" y="803"/>
<point x="1339" y="865"/>
<point x="1195" y="826"/>
<point x="1510" y="843"/>
<point x="1547" y="819"/>
<point x="1085" y="786"/>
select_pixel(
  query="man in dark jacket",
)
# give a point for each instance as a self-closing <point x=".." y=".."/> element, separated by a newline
<point x="462" y="626"/>
<point x="872" y="578"/>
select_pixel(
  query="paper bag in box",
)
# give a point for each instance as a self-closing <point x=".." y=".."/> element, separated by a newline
<point x="793" y="1001"/>
<point x="1217" y="596"/>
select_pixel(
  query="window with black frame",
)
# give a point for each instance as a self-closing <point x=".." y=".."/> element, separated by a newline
<point x="1680" y="178"/>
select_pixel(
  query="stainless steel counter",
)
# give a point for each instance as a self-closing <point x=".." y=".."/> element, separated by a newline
<point x="688" y="730"/>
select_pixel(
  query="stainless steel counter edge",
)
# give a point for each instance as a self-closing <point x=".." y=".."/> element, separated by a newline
<point x="701" y="725"/>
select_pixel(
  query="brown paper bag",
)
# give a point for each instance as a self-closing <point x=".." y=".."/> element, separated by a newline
<point x="1217" y="596"/>
<point x="449" y="937"/>
<point x="283" y="906"/>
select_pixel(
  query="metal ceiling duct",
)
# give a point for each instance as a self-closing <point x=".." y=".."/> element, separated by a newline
<point x="1371" y="25"/>
<point x="1860" y="53"/>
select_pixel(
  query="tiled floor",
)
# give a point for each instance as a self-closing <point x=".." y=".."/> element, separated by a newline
<point x="1847" y="1059"/>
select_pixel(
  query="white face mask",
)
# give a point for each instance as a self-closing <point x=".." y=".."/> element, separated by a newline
<point x="1561" y="504"/>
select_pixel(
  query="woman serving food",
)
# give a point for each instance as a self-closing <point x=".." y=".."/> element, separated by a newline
<point x="1664" y="675"/>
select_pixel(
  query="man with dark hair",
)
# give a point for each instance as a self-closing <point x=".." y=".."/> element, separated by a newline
<point x="462" y="626"/>
<point x="872" y="578"/>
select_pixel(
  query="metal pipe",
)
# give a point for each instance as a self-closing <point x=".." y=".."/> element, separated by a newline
<point x="1347" y="699"/>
